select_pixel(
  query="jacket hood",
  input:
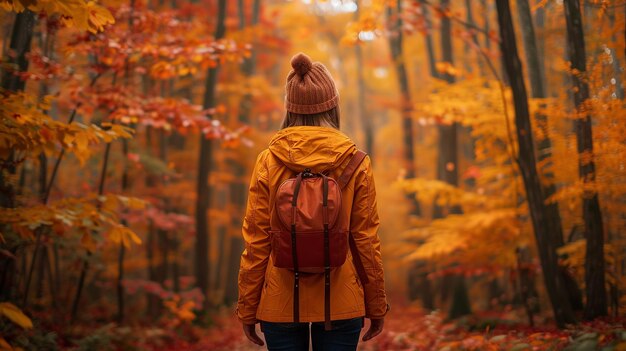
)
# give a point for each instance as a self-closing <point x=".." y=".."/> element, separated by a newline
<point x="317" y="148"/>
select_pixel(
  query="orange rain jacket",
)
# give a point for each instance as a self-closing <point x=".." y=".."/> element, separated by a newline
<point x="266" y="292"/>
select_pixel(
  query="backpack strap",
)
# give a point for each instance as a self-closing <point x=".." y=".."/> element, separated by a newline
<point x="354" y="163"/>
<point x="294" y="251"/>
<point x="343" y="180"/>
<point x="327" y="322"/>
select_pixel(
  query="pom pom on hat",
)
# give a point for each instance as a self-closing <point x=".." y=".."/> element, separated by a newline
<point x="301" y="63"/>
<point x="317" y="93"/>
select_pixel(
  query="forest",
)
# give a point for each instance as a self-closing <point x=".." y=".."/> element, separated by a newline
<point x="496" y="130"/>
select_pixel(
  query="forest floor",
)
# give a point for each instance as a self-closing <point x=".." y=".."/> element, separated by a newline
<point x="409" y="328"/>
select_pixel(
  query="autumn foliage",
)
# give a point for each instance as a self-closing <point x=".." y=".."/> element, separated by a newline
<point x="115" y="114"/>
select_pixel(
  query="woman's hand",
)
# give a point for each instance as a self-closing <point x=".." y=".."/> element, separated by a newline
<point x="250" y="331"/>
<point x="376" y="327"/>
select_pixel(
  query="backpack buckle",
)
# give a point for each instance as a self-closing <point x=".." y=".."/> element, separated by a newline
<point x="307" y="173"/>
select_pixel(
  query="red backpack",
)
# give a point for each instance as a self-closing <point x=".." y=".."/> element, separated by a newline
<point x="313" y="236"/>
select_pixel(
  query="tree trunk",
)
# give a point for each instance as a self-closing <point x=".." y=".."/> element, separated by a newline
<point x="41" y="274"/>
<point x="165" y="239"/>
<point x="51" y="281"/>
<point x="248" y="67"/>
<point x="428" y="40"/>
<point x="539" y="26"/>
<point x="220" y="278"/>
<point x="41" y="250"/>
<point x="124" y="186"/>
<point x="204" y="163"/>
<point x="470" y="20"/>
<point x="395" y="46"/>
<point x="614" y="291"/>
<point x="420" y="286"/>
<point x="46" y="44"/>
<point x="486" y="5"/>
<point x="119" y="284"/>
<point x="21" y="37"/>
<point x="164" y="245"/>
<point x="460" y="300"/>
<point x="122" y="249"/>
<point x="85" y="267"/>
<point x="596" y="305"/>
<point x="153" y="301"/>
<point x="525" y="276"/>
<point x="233" y="245"/>
<point x="175" y="242"/>
<point x="546" y="247"/>
<point x="366" y="122"/>
<point x="619" y="88"/>
<point x="537" y="91"/>
<point x="465" y="138"/>
<point x="447" y="165"/>
<point x="447" y="162"/>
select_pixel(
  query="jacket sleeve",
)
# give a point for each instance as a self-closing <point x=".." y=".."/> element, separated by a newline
<point x="254" y="259"/>
<point x="364" y="227"/>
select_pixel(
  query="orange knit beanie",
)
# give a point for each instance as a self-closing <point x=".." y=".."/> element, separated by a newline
<point x="310" y="88"/>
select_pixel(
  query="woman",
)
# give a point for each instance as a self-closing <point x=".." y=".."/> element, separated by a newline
<point x="310" y="139"/>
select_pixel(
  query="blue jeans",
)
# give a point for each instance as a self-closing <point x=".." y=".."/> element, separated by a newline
<point x="344" y="335"/>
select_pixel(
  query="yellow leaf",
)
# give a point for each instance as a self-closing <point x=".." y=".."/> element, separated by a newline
<point x="98" y="17"/>
<point x="132" y="202"/>
<point x="4" y="345"/>
<point x="128" y="236"/>
<point x="122" y="234"/>
<point x="68" y="139"/>
<point x="17" y="6"/>
<point x="82" y="142"/>
<point x="115" y="235"/>
<point x="77" y="10"/>
<point x="15" y="315"/>
<point x="183" y="70"/>
<point x="109" y="203"/>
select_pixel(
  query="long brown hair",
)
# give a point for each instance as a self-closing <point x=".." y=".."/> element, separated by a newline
<point x="329" y="118"/>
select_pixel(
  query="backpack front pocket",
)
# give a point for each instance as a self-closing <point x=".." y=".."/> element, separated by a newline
<point x="309" y="250"/>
